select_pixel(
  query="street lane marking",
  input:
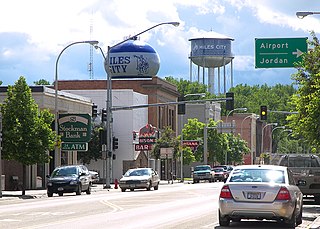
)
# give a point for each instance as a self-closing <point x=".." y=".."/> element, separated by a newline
<point x="10" y="220"/>
<point x="114" y="207"/>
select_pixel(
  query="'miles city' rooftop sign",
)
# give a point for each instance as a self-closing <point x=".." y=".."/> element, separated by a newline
<point x="279" y="52"/>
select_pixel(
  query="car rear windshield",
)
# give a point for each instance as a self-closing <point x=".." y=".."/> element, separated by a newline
<point x="302" y="162"/>
<point x="258" y="175"/>
<point x="199" y="168"/>
<point x="67" y="171"/>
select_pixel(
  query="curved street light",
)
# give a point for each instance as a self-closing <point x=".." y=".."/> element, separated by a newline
<point x="56" y="111"/>
<point x="279" y="127"/>
<point x="108" y="125"/>
<point x="181" y="140"/>
<point x="303" y="14"/>
<point x="269" y="124"/>
<point x="237" y="109"/>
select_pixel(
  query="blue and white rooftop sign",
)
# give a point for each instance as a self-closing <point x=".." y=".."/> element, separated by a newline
<point x="133" y="59"/>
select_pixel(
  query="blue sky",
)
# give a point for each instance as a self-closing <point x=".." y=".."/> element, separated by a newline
<point x="33" y="34"/>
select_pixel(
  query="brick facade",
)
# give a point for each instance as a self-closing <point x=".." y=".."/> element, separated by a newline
<point x="158" y="91"/>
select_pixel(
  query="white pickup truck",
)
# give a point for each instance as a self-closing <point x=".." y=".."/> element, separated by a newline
<point x="305" y="167"/>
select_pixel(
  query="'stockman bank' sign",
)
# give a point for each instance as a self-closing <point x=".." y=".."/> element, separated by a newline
<point x="74" y="127"/>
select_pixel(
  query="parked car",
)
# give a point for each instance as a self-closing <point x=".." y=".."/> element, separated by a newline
<point x="139" y="178"/>
<point x="220" y="174"/>
<point x="95" y="178"/>
<point x="305" y="167"/>
<point x="68" y="179"/>
<point x="261" y="192"/>
<point x="203" y="172"/>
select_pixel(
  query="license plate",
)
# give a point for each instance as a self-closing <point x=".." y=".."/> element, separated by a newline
<point x="60" y="189"/>
<point x="254" y="195"/>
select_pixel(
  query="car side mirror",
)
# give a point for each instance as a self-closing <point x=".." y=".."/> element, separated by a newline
<point x="301" y="183"/>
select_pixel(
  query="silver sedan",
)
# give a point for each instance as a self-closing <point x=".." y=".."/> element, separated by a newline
<point x="261" y="192"/>
<point x="139" y="178"/>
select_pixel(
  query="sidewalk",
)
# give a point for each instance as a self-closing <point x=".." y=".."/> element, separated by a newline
<point x="40" y="193"/>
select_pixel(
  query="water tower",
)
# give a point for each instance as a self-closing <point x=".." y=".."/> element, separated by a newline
<point x="211" y="53"/>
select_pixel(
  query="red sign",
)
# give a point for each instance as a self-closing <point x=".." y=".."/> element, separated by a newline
<point x="193" y="144"/>
<point x="147" y="134"/>
<point x="139" y="147"/>
<point x="147" y="140"/>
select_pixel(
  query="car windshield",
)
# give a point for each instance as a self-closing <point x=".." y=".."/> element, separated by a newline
<point x="68" y="171"/>
<point x="137" y="172"/>
<point x="299" y="162"/>
<point x="218" y="169"/>
<point x="258" y="175"/>
<point x="200" y="168"/>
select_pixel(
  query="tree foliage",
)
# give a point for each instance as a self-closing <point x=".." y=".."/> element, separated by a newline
<point x="167" y="140"/>
<point x="27" y="134"/>
<point x="307" y="98"/>
<point x="94" y="147"/>
<point x="41" y="82"/>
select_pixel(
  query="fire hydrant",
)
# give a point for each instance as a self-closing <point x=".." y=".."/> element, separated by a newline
<point x="116" y="183"/>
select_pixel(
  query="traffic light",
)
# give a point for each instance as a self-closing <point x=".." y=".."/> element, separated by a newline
<point x="102" y="136"/>
<point x="263" y="112"/>
<point x="94" y="111"/>
<point x="115" y="143"/>
<point x="230" y="101"/>
<point x="181" y="107"/>
<point x="103" y="115"/>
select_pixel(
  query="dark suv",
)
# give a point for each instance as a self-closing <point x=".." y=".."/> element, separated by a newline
<point x="68" y="179"/>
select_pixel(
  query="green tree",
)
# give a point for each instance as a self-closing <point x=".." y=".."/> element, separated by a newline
<point x="94" y="147"/>
<point x="193" y="130"/>
<point x="41" y="82"/>
<point x="307" y="99"/>
<point x="237" y="148"/>
<point x="167" y="140"/>
<point x="185" y="87"/>
<point x="27" y="134"/>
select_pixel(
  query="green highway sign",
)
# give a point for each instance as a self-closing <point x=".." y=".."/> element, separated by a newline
<point x="279" y="52"/>
<point x="72" y="146"/>
<point x="74" y="127"/>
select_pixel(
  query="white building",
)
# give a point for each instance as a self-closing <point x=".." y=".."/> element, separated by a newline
<point x="125" y="122"/>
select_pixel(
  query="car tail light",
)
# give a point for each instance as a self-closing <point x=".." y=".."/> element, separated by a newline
<point x="225" y="192"/>
<point x="283" y="194"/>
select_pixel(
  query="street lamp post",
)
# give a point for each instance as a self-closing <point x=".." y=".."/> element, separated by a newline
<point x="181" y="127"/>
<point x="56" y="111"/>
<point x="270" y="124"/>
<point x="109" y="97"/>
<point x="279" y="127"/>
<point x="237" y="109"/>
<point x="301" y="15"/>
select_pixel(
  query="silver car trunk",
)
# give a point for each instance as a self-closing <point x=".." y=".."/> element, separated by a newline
<point x="254" y="191"/>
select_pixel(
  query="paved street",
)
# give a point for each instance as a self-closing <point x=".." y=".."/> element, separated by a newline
<point x="172" y="206"/>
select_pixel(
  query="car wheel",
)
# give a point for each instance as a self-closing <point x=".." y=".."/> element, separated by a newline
<point x="299" y="219"/>
<point x="291" y="223"/>
<point x="50" y="194"/>
<point x="149" y="186"/>
<point x="78" y="192"/>
<point x="60" y="193"/>
<point x="123" y="190"/>
<point x="156" y="187"/>
<point x="89" y="190"/>
<point x="317" y="199"/>
<point x="131" y="189"/>
<point x="224" y="221"/>
<point x="237" y="220"/>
